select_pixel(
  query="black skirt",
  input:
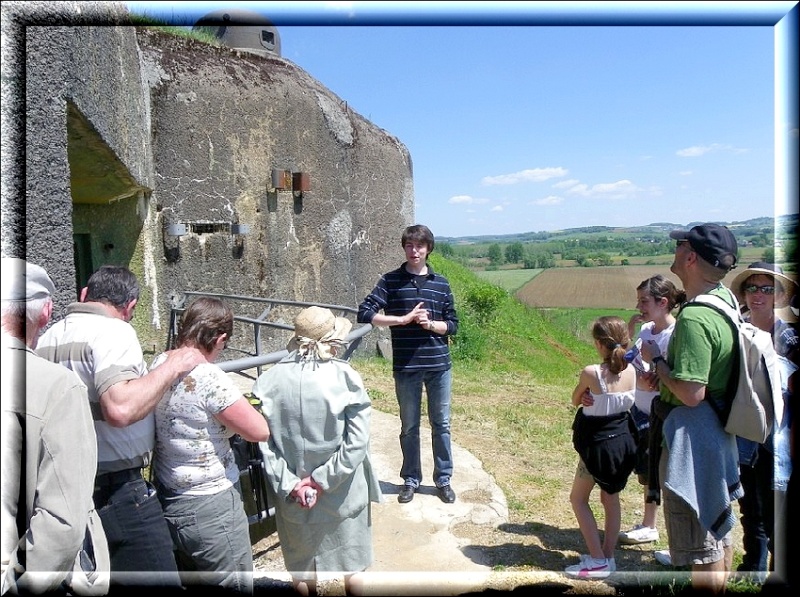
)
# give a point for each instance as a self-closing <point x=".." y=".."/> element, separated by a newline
<point x="607" y="446"/>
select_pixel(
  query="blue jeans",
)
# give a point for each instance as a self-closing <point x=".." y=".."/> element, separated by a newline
<point x="408" y="387"/>
<point x="138" y="537"/>
<point x="212" y="539"/>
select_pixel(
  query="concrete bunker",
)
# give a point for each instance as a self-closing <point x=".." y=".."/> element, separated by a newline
<point x="242" y="30"/>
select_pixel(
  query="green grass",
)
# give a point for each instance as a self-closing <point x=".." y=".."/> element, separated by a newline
<point x="201" y="34"/>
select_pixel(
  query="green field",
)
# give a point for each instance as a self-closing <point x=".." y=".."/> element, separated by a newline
<point x="508" y="279"/>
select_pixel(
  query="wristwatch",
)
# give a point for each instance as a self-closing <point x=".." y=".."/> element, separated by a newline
<point x="656" y="359"/>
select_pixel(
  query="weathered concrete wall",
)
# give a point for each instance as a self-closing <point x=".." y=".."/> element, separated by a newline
<point x="129" y="131"/>
<point x="89" y="71"/>
<point x="222" y="121"/>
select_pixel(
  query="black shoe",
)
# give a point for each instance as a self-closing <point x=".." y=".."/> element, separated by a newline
<point x="446" y="494"/>
<point x="406" y="494"/>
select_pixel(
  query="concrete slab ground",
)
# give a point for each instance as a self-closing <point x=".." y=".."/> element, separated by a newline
<point x="416" y="552"/>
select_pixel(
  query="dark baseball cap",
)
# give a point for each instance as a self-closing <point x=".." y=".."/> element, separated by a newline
<point x="714" y="243"/>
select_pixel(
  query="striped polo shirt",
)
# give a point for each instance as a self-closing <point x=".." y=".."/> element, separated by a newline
<point x="413" y="347"/>
<point x="103" y="350"/>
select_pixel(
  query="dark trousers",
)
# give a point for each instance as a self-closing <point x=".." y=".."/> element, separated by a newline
<point x="757" y="508"/>
<point x="139" y="540"/>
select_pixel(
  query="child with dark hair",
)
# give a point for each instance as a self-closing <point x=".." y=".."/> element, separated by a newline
<point x="604" y="437"/>
<point x="656" y="298"/>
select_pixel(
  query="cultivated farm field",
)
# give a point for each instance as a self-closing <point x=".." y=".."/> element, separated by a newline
<point x="612" y="287"/>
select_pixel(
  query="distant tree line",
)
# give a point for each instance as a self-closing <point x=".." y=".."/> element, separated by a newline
<point x="595" y="246"/>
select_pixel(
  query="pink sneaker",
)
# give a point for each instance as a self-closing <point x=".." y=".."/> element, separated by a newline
<point x="590" y="567"/>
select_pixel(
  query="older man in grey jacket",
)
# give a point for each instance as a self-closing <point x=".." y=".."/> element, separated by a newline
<point x="49" y="454"/>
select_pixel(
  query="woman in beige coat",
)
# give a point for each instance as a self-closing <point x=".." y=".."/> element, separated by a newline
<point x="317" y="458"/>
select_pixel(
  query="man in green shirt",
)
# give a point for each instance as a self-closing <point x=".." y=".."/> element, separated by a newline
<point x="698" y="468"/>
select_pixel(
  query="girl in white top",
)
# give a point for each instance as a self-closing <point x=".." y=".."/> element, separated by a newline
<point x="603" y="392"/>
<point x="656" y="298"/>
<point x="606" y="402"/>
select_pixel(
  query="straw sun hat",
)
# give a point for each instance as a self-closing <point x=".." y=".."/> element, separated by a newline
<point x="318" y="330"/>
<point x="767" y="269"/>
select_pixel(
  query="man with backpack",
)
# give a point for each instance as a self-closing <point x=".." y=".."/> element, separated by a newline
<point x="698" y="468"/>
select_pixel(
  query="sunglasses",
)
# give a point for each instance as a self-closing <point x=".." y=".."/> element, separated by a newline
<point x="752" y="289"/>
<point x="679" y="243"/>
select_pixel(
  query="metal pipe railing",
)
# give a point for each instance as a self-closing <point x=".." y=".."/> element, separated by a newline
<point x="249" y="459"/>
<point x="258" y="360"/>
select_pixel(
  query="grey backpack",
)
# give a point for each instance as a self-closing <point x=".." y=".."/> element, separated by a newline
<point x="753" y="403"/>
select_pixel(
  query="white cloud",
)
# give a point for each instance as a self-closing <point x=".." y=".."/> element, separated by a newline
<point x="620" y="189"/>
<point x="531" y="175"/>
<point x="565" y="184"/>
<point x="613" y="188"/>
<point x="579" y="189"/>
<point x="466" y="200"/>
<point x="497" y="208"/>
<point x="698" y="150"/>
<point x="685" y="172"/>
<point x="549" y="200"/>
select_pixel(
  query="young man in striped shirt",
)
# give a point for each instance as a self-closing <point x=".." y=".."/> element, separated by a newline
<point x="417" y="305"/>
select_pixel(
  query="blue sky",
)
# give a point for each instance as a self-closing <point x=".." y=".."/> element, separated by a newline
<point x="592" y="118"/>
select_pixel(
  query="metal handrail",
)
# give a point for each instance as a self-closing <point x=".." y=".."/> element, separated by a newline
<point x="260" y="515"/>
<point x="258" y="360"/>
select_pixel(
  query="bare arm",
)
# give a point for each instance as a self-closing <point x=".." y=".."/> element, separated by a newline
<point x="635" y="320"/>
<point x="582" y="388"/>
<point x="240" y="417"/>
<point x="691" y="393"/>
<point x="129" y="401"/>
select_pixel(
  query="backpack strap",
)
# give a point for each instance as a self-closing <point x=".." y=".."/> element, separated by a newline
<point x="734" y="317"/>
<point x="712" y="300"/>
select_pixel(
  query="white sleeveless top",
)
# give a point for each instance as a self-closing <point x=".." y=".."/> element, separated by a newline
<point x="609" y="403"/>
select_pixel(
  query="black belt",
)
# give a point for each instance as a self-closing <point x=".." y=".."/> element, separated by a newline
<point x="118" y="477"/>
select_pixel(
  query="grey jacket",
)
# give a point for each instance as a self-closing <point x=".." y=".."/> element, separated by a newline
<point x="46" y="413"/>
<point x="319" y="420"/>
<point x="703" y="466"/>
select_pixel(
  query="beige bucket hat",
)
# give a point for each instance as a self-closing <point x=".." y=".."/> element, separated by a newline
<point x="317" y="329"/>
